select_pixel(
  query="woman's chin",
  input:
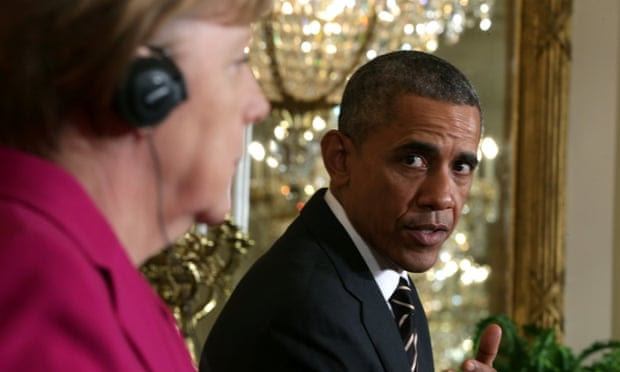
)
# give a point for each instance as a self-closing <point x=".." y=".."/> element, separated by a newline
<point x="213" y="217"/>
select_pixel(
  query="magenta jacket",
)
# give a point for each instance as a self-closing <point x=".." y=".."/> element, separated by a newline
<point x="70" y="299"/>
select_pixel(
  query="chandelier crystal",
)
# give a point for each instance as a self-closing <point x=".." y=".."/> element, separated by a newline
<point x="305" y="50"/>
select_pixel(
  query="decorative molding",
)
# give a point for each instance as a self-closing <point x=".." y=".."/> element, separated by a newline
<point x="195" y="275"/>
<point x="540" y="100"/>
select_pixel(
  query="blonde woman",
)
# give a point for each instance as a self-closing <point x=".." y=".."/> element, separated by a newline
<point x="121" y="123"/>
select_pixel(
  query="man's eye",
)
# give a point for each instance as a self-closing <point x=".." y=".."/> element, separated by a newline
<point x="415" y="161"/>
<point x="463" y="168"/>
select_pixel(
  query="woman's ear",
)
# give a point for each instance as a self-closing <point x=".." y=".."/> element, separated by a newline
<point x="337" y="148"/>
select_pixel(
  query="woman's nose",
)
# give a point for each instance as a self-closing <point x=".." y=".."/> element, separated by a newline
<point x="257" y="107"/>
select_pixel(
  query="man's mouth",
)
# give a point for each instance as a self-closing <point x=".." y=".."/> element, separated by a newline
<point x="429" y="235"/>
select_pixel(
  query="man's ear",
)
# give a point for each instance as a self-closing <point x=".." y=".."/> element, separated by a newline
<point x="337" y="148"/>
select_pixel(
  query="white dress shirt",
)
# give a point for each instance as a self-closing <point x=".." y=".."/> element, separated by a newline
<point x="386" y="277"/>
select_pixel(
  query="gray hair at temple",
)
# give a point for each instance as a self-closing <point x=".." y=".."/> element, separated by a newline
<point x="369" y="95"/>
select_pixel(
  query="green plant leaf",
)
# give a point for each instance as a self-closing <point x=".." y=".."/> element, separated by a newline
<point x="536" y="349"/>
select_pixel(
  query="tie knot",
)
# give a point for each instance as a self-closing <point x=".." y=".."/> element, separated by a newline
<point x="402" y="300"/>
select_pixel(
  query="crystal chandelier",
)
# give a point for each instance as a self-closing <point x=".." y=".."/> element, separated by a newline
<point x="305" y="50"/>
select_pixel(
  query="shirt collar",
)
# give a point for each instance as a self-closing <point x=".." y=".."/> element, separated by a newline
<point x="386" y="278"/>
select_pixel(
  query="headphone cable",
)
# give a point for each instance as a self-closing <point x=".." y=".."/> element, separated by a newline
<point x="159" y="180"/>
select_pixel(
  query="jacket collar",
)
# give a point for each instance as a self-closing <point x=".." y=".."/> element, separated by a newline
<point x="57" y="194"/>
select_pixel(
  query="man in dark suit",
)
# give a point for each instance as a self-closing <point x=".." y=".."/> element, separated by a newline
<point x="333" y="293"/>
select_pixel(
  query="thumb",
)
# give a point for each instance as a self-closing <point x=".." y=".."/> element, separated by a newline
<point x="489" y="344"/>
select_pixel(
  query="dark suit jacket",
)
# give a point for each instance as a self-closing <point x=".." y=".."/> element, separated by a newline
<point x="311" y="304"/>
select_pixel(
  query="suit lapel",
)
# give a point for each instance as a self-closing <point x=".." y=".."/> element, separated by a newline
<point x="358" y="280"/>
<point x="380" y="325"/>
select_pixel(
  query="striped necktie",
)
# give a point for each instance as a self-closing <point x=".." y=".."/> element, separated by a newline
<point x="404" y="311"/>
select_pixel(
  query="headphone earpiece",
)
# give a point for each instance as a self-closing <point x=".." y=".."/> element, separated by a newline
<point x="152" y="87"/>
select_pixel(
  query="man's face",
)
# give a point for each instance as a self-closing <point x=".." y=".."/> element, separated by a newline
<point x="407" y="182"/>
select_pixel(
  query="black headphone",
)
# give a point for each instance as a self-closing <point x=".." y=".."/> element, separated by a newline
<point x="152" y="87"/>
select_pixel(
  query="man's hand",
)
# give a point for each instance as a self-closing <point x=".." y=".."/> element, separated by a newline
<point x="489" y="344"/>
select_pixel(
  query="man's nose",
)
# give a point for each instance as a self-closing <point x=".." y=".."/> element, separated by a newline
<point x="437" y="191"/>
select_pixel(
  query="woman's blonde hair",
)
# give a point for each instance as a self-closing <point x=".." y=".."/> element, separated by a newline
<point x="60" y="55"/>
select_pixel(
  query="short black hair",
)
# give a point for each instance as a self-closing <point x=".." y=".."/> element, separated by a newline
<point x="371" y="91"/>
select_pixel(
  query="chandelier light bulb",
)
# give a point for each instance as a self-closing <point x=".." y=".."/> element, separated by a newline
<point x="318" y="123"/>
<point x="256" y="150"/>
<point x="272" y="162"/>
<point x="279" y="133"/>
<point x="408" y="29"/>
<point x="489" y="148"/>
<point x="287" y="8"/>
<point x="485" y="24"/>
<point x="460" y="238"/>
